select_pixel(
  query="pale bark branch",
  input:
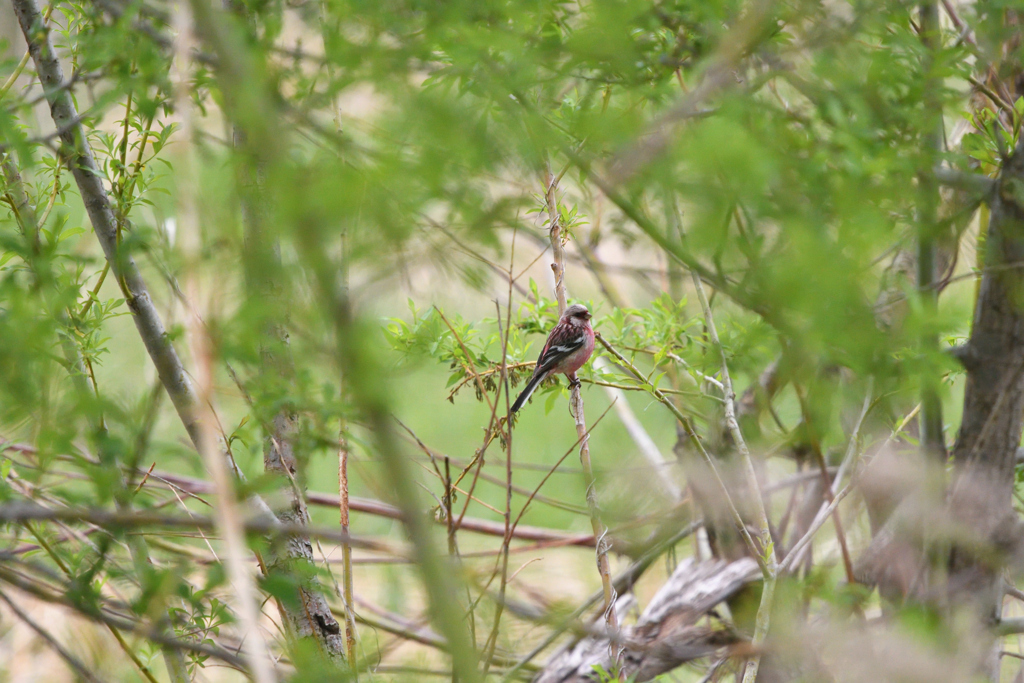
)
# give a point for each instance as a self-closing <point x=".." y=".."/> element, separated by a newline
<point x="770" y="563"/>
<point x="88" y="178"/>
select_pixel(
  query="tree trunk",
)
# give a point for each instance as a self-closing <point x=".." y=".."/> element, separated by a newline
<point x="990" y="432"/>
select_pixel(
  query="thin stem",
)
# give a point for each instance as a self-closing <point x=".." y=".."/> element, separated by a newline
<point x="734" y="428"/>
<point x="931" y="406"/>
<point x="95" y="290"/>
<point x="24" y="60"/>
<point x="770" y="565"/>
<point x="504" y="331"/>
<point x="576" y="407"/>
<point x="346" y="551"/>
<point x="72" y="661"/>
<point x="826" y="481"/>
<point x="687" y="425"/>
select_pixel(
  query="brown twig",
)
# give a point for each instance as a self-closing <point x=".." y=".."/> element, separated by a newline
<point x="576" y="406"/>
<point x="346" y="549"/>
<point x="768" y="563"/>
<point x="492" y="640"/>
<point x="826" y="481"/>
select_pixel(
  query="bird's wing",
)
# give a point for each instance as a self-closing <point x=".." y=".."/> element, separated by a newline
<point x="562" y="343"/>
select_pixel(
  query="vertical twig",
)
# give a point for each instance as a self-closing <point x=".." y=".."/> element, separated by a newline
<point x="931" y="407"/>
<point x="72" y="661"/>
<point x="453" y="542"/>
<point x="447" y="500"/>
<point x="770" y="564"/>
<point x="346" y="553"/>
<point x="229" y="519"/>
<point x="492" y="641"/>
<point x="576" y="407"/>
<point x="826" y="483"/>
<point x="504" y="333"/>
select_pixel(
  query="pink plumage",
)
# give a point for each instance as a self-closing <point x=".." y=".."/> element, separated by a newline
<point x="567" y="349"/>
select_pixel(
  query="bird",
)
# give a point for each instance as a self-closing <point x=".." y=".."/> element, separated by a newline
<point x="567" y="349"/>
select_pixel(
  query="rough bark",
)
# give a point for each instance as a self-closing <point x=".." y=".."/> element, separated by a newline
<point x="309" y="616"/>
<point x="985" y="454"/>
<point x="977" y="524"/>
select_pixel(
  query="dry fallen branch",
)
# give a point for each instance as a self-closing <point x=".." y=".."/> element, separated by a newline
<point x="666" y="635"/>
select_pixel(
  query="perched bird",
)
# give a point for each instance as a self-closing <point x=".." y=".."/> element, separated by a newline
<point x="568" y="347"/>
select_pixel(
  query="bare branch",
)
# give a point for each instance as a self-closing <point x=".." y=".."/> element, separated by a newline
<point x="666" y="635"/>
<point x="72" y="661"/>
<point x="576" y="403"/>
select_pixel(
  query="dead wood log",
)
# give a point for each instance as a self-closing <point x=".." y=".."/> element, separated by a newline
<point x="667" y="634"/>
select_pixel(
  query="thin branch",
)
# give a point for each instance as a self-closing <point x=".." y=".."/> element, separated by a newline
<point x="576" y="405"/>
<point x="687" y="425"/>
<point x="130" y="519"/>
<point x="71" y="660"/>
<point x="380" y="509"/>
<point x="763" y="619"/>
<point x="119" y="623"/>
<point x="795" y="555"/>
<point x="503" y="331"/>
<point x="346" y="550"/>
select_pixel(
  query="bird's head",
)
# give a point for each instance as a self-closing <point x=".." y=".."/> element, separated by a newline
<point x="576" y="313"/>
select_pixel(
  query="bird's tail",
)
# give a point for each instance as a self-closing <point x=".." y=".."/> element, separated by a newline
<point x="528" y="391"/>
